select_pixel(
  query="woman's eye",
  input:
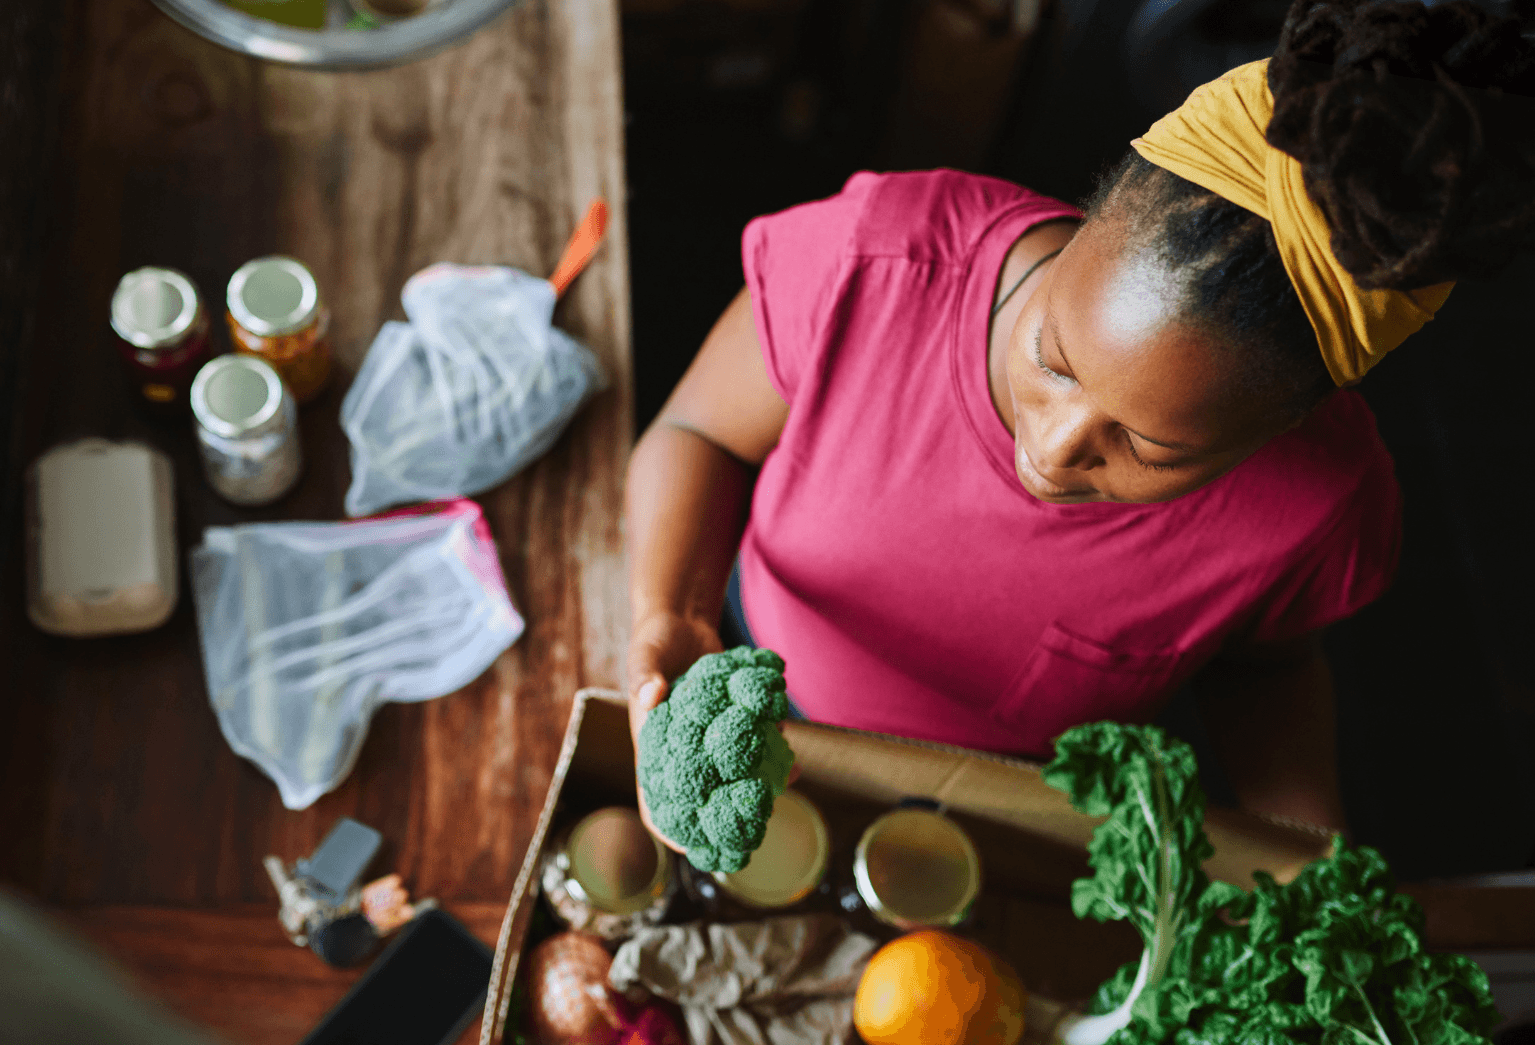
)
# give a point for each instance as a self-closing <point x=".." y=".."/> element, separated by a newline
<point x="1039" y="357"/>
<point x="1130" y="442"/>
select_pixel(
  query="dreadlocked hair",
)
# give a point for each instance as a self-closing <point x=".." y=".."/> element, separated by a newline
<point x="1416" y="136"/>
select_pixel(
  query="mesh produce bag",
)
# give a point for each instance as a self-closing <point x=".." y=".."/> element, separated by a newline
<point x="475" y="387"/>
<point x="307" y="628"/>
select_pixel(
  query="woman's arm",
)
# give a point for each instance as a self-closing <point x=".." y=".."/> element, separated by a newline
<point x="1269" y="713"/>
<point x="686" y="500"/>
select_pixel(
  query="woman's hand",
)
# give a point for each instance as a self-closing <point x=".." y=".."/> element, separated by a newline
<point x="663" y="646"/>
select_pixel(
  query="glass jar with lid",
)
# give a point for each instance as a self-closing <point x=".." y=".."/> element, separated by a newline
<point x="275" y="312"/>
<point x="162" y="332"/>
<point x="608" y="875"/>
<point x="786" y="873"/>
<point x="247" y="430"/>
<point x="915" y="868"/>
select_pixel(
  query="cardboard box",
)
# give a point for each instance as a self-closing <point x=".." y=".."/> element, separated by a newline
<point x="1032" y="843"/>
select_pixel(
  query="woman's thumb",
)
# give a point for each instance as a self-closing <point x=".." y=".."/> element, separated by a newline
<point x="649" y="693"/>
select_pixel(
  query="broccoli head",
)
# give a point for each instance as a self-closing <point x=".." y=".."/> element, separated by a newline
<point x="711" y="758"/>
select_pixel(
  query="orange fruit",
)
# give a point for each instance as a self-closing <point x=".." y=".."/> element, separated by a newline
<point x="934" y="988"/>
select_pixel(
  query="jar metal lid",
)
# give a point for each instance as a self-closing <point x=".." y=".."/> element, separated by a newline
<point x="790" y="862"/>
<point x="615" y="864"/>
<point x="273" y="296"/>
<point x="916" y="867"/>
<point x="236" y="394"/>
<point x="154" y="308"/>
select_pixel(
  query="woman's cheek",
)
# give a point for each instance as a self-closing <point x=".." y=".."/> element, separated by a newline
<point x="1026" y="382"/>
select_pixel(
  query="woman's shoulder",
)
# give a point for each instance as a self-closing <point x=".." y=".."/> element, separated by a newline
<point x="924" y="216"/>
<point x="1331" y="468"/>
<point x="1340" y="437"/>
<point x="1316" y="525"/>
<point x="937" y="215"/>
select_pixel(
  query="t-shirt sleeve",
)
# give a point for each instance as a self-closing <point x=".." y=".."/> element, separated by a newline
<point x="1350" y="567"/>
<point x="794" y="262"/>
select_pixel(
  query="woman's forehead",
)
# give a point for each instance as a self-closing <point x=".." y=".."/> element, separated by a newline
<point x="1117" y="314"/>
<point x="1138" y="295"/>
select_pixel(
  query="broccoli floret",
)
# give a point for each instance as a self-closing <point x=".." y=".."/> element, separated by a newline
<point x="700" y="699"/>
<point x="777" y="758"/>
<point x="711" y="758"/>
<point x="734" y="742"/>
<point x="761" y="690"/>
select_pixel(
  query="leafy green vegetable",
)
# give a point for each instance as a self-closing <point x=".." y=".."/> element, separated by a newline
<point x="1335" y="957"/>
<point x="1146" y="855"/>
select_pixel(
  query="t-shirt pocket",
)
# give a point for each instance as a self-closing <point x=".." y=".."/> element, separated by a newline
<point x="1069" y="680"/>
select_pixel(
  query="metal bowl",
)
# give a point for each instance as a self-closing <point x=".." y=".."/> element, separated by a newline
<point x="440" y="24"/>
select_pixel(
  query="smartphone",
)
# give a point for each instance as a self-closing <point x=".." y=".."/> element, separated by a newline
<point x="424" y="989"/>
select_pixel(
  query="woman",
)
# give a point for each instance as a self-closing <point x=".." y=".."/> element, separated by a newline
<point x="1022" y="469"/>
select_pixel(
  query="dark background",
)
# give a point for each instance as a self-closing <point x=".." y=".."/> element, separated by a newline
<point x="742" y="107"/>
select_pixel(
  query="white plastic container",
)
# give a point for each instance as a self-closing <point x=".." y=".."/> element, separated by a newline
<point x="101" y="540"/>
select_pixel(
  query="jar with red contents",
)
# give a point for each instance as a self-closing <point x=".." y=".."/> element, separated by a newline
<point x="275" y="312"/>
<point x="162" y="332"/>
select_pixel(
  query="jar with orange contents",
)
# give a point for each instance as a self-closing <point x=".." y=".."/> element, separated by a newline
<point x="275" y="312"/>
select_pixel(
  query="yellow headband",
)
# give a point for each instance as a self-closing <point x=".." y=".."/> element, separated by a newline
<point x="1216" y="140"/>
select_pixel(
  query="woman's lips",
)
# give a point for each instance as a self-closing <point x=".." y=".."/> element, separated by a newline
<point x="1037" y="484"/>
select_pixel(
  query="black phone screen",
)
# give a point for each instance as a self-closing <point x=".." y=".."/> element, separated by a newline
<point x="422" y="990"/>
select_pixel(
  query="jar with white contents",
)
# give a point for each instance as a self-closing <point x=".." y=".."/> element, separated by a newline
<point x="247" y="430"/>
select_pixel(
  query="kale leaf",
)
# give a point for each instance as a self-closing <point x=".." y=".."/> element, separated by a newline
<point x="1334" y="957"/>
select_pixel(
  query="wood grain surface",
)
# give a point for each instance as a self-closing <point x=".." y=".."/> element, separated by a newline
<point x="231" y="969"/>
<point x="119" y="798"/>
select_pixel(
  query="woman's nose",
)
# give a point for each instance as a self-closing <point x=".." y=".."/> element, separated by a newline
<point x="1065" y="443"/>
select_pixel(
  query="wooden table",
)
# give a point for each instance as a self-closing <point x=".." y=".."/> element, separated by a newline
<point x="121" y="805"/>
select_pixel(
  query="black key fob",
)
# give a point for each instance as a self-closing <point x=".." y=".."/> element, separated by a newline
<point x="344" y="942"/>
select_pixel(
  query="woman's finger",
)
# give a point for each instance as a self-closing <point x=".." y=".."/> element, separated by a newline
<point x="644" y="664"/>
<point x="650" y="692"/>
<point x="645" y="695"/>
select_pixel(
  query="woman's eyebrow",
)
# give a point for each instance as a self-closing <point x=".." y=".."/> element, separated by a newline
<point x="1055" y="336"/>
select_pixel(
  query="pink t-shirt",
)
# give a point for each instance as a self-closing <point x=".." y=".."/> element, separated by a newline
<point x="912" y="584"/>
